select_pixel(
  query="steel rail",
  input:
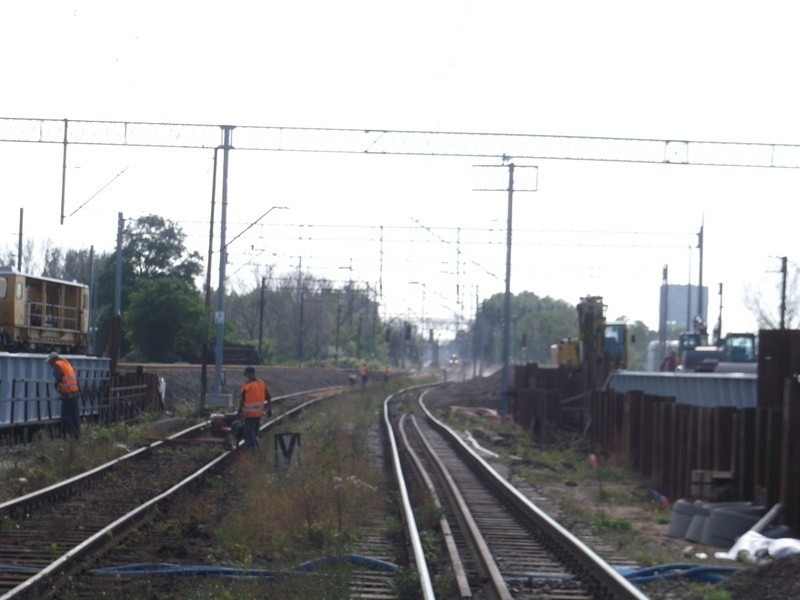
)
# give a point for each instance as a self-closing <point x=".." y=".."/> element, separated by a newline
<point x="492" y="578"/>
<point x="47" y="574"/>
<point x="62" y="487"/>
<point x="609" y="578"/>
<point x="56" y="489"/>
<point x="405" y="502"/>
<point x="456" y="564"/>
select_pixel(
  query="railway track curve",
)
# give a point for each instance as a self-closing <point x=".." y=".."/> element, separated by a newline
<point x="500" y="544"/>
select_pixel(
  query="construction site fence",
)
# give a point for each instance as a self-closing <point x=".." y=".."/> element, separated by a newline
<point x="689" y="452"/>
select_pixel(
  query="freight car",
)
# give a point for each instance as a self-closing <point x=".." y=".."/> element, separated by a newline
<point x="42" y="314"/>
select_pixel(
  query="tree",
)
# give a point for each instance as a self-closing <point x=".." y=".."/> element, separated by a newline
<point x="766" y="307"/>
<point x="8" y="258"/>
<point x="30" y="264"/>
<point x="152" y="248"/>
<point x="543" y="321"/>
<point x="53" y="262"/>
<point x="164" y="320"/>
<point x="77" y="265"/>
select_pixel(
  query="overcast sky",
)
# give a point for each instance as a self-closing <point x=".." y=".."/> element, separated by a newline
<point x="712" y="71"/>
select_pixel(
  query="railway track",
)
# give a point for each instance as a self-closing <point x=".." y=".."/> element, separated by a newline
<point x="500" y="545"/>
<point x="46" y="534"/>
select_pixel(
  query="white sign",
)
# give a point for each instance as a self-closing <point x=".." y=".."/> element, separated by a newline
<point x="219" y="318"/>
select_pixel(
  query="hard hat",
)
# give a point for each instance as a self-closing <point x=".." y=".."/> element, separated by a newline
<point x="51" y="356"/>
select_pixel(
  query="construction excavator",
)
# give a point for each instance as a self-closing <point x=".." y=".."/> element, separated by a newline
<point x="599" y="348"/>
<point x="735" y="352"/>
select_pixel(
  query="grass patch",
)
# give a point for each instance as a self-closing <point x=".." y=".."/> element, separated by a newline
<point x="47" y="460"/>
<point x="315" y="507"/>
<point x="607" y="522"/>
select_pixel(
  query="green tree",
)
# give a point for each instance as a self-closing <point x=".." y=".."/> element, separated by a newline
<point x="53" y="262"/>
<point x="542" y="321"/>
<point x="164" y="320"/>
<point x="78" y="265"/>
<point x="152" y="248"/>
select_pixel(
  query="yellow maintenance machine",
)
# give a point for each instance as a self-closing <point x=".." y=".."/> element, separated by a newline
<point x="600" y="347"/>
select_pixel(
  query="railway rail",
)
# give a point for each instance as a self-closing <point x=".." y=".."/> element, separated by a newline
<point x="500" y="544"/>
<point x="47" y="533"/>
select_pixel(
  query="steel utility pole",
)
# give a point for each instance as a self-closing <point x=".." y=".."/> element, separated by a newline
<point x="783" y="292"/>
<point x="700" y="276"/>
<point x="663" y="313"/>
<point x="19" y="244"/>
<point x="716" y="333"/>
<point x="504" y="376"/>
<point x="689" y="294"/>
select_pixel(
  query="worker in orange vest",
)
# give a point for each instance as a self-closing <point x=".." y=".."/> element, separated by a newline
<point x="67" y="388"/>
<point x="364" y="373"/>
<point x="256" y="400"/>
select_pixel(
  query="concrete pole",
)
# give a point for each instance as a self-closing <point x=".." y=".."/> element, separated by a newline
<point x="116" y="323"/>
<point x="261" y="318"/>
<point x="64" y="172"/>
<point x="219" y="317"/>
<point x="507" y="299"/>
<point x="207" y="301"/>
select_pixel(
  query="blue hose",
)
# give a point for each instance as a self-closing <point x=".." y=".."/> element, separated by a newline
<point x="354" y="559"/>
<point x="702" y="573"/>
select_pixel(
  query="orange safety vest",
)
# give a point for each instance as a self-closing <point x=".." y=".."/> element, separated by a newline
<point x="254" y="396"/>
<point x="68" y="385"/>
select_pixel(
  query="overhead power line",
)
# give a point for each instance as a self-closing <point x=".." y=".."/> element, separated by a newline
<point x="520" y="146"/>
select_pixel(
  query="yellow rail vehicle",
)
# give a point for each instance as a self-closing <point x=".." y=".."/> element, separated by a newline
<point x="42" y="314"/>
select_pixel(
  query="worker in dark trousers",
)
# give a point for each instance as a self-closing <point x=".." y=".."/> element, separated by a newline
<point x="67" y="387"/>
<point x="256" y="400"/>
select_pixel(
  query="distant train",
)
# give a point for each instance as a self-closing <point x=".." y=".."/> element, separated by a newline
<point x="41" y="314"/>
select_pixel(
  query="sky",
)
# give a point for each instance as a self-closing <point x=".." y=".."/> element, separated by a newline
<point x="710" y="71"/>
